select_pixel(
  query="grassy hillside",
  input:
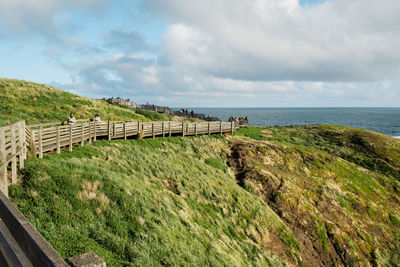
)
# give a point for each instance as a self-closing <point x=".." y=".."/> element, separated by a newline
<point x="37" y="103"/>
<point x="337" y="188"/>
<point x="168" y="201"/>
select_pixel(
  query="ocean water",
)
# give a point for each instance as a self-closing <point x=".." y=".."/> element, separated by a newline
<point x="383" y="120"/>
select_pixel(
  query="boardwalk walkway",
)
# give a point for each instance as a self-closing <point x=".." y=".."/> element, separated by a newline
<point x="20" y="243"/>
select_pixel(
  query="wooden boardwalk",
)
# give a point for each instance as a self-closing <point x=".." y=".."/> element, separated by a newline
<point x="17" y="138"/>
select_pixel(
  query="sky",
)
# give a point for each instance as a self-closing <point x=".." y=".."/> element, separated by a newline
<point x="209" y="53"/>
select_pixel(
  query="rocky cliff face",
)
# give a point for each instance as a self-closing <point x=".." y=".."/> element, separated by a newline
<point x="336" y="188"/>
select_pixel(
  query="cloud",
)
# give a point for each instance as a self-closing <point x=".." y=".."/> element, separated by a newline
<point x="269" y="40"/>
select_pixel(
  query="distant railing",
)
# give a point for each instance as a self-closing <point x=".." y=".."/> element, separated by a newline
<point x="41" y="138"/>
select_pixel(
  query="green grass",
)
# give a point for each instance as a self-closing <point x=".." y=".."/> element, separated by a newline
<point x="339" y="178"/>
<point x="149" y="202"/>
<point x="36" y="103"/>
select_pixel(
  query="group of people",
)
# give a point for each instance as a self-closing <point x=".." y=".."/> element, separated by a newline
<point x="71" y="119"/>
<point x="241" y="120"/>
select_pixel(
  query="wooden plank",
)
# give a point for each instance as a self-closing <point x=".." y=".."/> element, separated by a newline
<point x="95" y="131"/>
<point x="70" y="138"/>
<point x="152" y="130"/>
<point x="13" y="154"/>
<point x="82" y="134"/>
<point x="163" y="130"/>
<point x="21" y="131"/>
<point x="40" y="144"/>
<point x="3" y="163"/>
<point x="183" y="128"/>
<point x="209" y="132"/>
<point x="109" y="130"/>
<point x="124" y="125"/>
<point x="90" y="132"/>
<point x="195" y="128"/>
<point x="58" y="140"/>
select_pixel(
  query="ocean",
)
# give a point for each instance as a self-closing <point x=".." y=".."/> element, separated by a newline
<point x="383" y="120"/>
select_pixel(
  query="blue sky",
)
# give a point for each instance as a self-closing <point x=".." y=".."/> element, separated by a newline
<point x="260" y="53"/>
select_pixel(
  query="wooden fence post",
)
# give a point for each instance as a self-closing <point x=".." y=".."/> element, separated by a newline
<point x="138" y="127"/>
<point x="90" y="132"/>
<point x="40" y="142"/>
<point x="109" y="130"/>
<point x="195" y="128"/>
<point x="58" y="140"/>
<point x="70" y="138"/>
<point x="209" y="132"/>
<point x="124" y="124"/>
<point x="82" y="134"/>
<point x="94" y="131"/>
<point x="21" y="131"/>
<point x="3" y="165"/>
<point x="169" y="128"/>
<point x="114" y="132"/>
<point x="14" y="154"/>
<point x="183" y="128"/>
<point x="152" y="130"/>
<point x="220" y="127"/>
<point x="231" y="127"/>
<point x="163" y="133"/>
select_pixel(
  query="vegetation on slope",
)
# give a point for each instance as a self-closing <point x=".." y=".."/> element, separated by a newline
<point x="337" y="188"/>
<point x="37" y="103"/>
<point x="167" y="201"/>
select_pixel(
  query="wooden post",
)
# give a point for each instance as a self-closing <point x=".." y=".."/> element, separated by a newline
<point x="209" y="128"/>
<point x="124" y="124"/>
<point x="195" y="128"/>
<point x="90" y="132"/>
<point x="70" y="138"/>
<point x="152" y="129"/>
<point x="220" y="127"/>
<point x="109" y="130"/>
<point x="163" y="133"/>
<point x="21" y="130"/>
<point x="82" y="134"/>
<point x="183" y="128"/>
<point x="231" y="127"/>
<point x="187" y="128"/>
<point x="138" y="127"/>
<point x="14" y="155"/>
<point x="114" y="132"/>
<point x="3" y="165"/>
<point x="58" y="140"/>
<point x="94" y="131"/>
<point x="169" y="128"/>
<point x="40" y="143"/>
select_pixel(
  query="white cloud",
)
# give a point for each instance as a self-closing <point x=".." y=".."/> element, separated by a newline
<point x="280" y="40"/>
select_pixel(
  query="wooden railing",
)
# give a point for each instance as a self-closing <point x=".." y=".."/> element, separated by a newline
<point x="42" y="138"/>
<point x="12" y="150"/>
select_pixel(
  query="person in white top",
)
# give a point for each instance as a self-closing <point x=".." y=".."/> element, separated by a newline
<point x="71" y="119"/>
<point x="97" y="118"/>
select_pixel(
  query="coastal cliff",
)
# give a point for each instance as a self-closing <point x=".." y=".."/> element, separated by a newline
<point x="302" y="195"/>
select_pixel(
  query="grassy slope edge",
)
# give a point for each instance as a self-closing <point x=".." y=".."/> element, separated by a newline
<point x="337" y="188"/>
<point x="37" y="103"/>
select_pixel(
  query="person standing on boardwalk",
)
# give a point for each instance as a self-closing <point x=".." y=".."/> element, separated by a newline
<point x="97" y="118"/>
<point x="71" y="119"/>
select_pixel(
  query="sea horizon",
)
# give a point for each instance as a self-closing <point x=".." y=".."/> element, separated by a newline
<point x="384" y="120"/>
